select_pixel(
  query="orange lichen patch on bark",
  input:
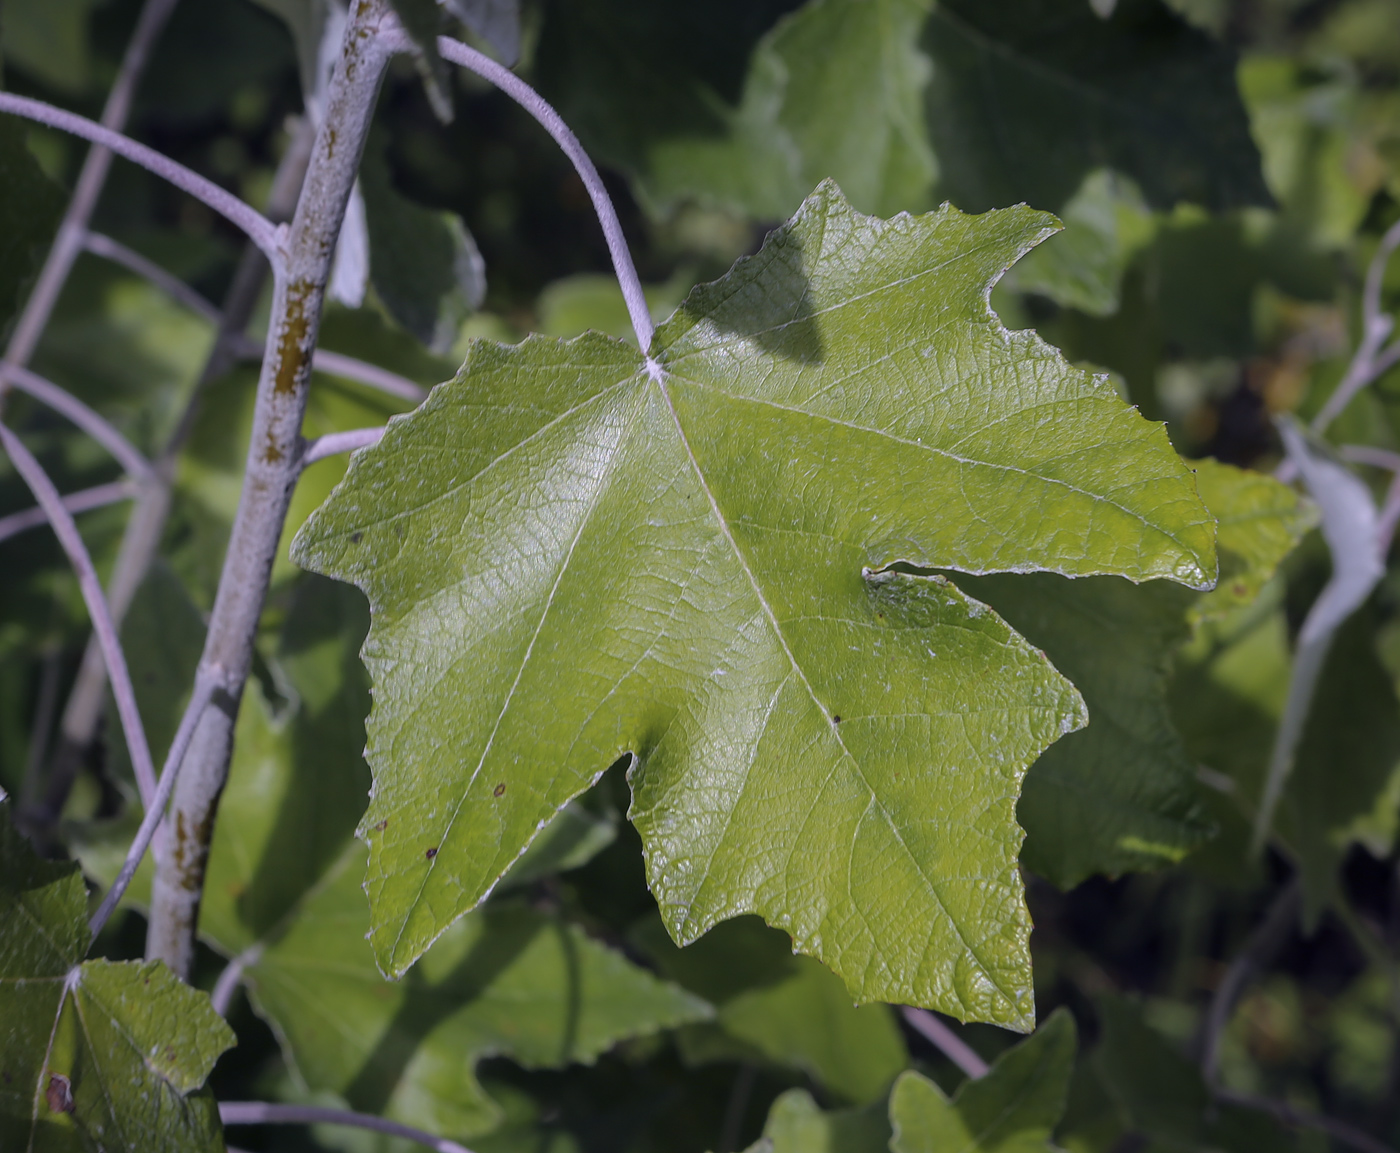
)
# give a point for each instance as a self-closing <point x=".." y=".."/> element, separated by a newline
<point x="291" y="349"/>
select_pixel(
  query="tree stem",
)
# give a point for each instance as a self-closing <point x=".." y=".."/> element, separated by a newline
<point x="273" y="464"/>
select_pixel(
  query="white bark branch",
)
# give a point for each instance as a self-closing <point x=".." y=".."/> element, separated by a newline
<point x="90" y="421"/>
<point x="337" y="442"/>
<point x="958" y="1051"/>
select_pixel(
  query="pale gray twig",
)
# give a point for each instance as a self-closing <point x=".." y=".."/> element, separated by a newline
<point x="232" y="976"/>
<point x="205" y="686"/>
<point x="335" y="442"/>
<point x="67" y="532"/>
<point x="81" y="501"/>
<point x="167" y="282"/>
<point x="958" y="1051"/>
<point x="91" y="422"/>
<point x="68" y="243"/>
<point x="540" y="109"/>
<point x="338" y="364"/>
<point x="257" y="227"/>
<point x="262" y="1113"/>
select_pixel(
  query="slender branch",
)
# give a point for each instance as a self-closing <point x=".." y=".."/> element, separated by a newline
<point x="958" y="1051"/>
<point x="67" y="532"/>
<point x="1365" y="454"/>
<point x="68" y="243"/>
<point x="1263" y="943"/>
<point x="540" y="109"/>
<point x="91" y="422"/>
<point x="167" y="282"/>
<point x="232" y="977"/>
<point x="273" y="465"/>
<point x="1370" y="361"/>
<point x="1301" y="1118"/>
<point x="337" y="364"/>
<point x="257" y="227"/>
<point x="335" y="442"/>
<point x="261" y="1113"/>
<point x="81" y="501"/>
<point x="205" y="686"/>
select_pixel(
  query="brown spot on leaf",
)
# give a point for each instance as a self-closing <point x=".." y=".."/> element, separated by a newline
<point x="356" y="537"/>
<point x="380" y="826"/>
<point x="835" y="718"/>
<point x="430" y="854"/>
<point x="59" y="1094"/>
<point x="499" y="790"/>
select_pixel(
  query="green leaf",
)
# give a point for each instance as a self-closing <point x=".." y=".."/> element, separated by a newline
<point x="423" y="264"/>
<point x="796" y="1125"/>
<point x="1012" y="1109"/>
<point x="778" y="1007"/>
<point x="422" y="20"/>
<point x="687" y="560"/>
<point x="49" y="40"/>
<point x="573" y="838"/>
<point x="1029" y="96"/>
<point x="94" y="1054"/>
<point x="1258" y="522"/>
<point x="834" y="90"/>
<point x="506" y="981"/>
<point x="1120" y="794"/>
<point x="30" y="206"/>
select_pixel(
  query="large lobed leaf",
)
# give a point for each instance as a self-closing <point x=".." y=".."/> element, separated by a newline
<point x="573" y="553"/>
<point x="93" y="1054"/>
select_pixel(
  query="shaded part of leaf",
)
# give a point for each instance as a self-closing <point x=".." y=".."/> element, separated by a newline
<point x="573" y="838"/>
<point x="30" y="207"/>
<point x="307" y="20"/>
<point x="777" y="1007"/>
<point x="1029" y="96"/>
<point x="495" y="21"/>
<point x="1013" y="1109"/>
<point x="424" y="265"/>
<point x="422" y="20"/>
<point x="43" y="909"/>
<point x="506" y="981"/>
<point x="1121" y="794"/>
<point x="569" y="559"/>
<point x="834" y="90"/>
<point x="797" y="1125"/>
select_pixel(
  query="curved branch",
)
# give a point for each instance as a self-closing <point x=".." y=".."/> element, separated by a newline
<point x="81" y="501"/>
<point x="336" y="442"/>
<point x="90" y="421"/>
<point x="205" y="686"/>
<point x="133" y="261"/>
<point x="337" y="364"/>
<point x="958" y="1051"/>
<point x="258" y="228"/>
<point x="68" y="243"/>
<point x="67" y="532"/>
<point x="261" y="1113"/>
<point x="232" y="977"/>
<point x="540" y="109"/>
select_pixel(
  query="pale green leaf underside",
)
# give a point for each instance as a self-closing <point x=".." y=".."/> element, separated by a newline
<point x="572" y="554"/>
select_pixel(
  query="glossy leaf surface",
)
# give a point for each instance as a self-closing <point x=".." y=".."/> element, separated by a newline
<point x="571" y="555"/>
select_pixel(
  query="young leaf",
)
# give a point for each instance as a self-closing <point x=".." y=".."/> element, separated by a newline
<point x="93" y="1054"/>
<point x="834" y="90"/>
<point x="777" y="1007"/>
<point x="573" y="552"/>
<point x="1029" y="96"/>
<point x="1011" y="1110"/>
<point x="506" y="981"/>
<point x="796" y="1125"/>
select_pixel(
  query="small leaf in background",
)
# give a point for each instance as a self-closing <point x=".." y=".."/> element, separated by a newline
<point x="674" y="579"/>
<point x="1030" y="96"/>
<point x="797" y="1125"/>
<point x="49" y="41"/>
<point x="30" y="206"/>
<point x="424" y="265"/>
<point x="506" y="981"/>
<point x="99" y="1054"/>
<point x="1012" y="1109"/>
<point x="573" y="838"/>
<point x="778" y="1007"/>
<point x="833" y="91"/>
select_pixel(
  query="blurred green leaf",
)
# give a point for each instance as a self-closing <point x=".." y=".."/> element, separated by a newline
<point x="505" y="981"/>
<point x="49" y="40"/>
<point x="695" y="555"/>
<point x="1030" y="96"/>
<point x="1012" y="1109"/>
<point x="796" y="1125"/>
<point x="30" y="207"/>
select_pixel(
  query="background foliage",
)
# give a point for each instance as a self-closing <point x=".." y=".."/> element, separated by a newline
<point x="1223" y="168"/>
